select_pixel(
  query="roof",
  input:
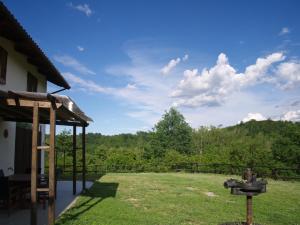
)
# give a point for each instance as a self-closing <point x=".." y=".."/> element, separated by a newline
<point x="17" y="106"/>
<point x="11" y="29"/>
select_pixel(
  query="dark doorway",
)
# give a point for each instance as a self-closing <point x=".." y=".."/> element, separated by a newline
<point x="23" y="148"/>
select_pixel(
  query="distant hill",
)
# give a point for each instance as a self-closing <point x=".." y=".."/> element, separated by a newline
<point x="269" y="127"/>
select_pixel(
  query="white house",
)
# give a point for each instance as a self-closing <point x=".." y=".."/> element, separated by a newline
<point x="23" y="67"/>
<point x="25" y="108"/>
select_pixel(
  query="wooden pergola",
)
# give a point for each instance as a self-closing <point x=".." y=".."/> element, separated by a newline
<point x="43" y="108"/>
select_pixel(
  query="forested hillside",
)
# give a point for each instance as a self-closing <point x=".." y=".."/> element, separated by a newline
<point x="173" y="144"/>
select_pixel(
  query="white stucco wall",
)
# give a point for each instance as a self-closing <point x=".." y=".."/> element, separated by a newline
<point x="16" y="79"/>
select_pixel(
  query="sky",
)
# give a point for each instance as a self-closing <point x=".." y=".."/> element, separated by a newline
<point x="217" y="62"/>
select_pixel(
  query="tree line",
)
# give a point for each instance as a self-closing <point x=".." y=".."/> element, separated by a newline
<point x="173" y="145"/>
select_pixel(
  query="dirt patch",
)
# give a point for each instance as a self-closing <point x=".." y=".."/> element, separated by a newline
<point x="210" y="194"/>
<point x="134" y="202"/>
<point x="191" y="188"/>
<point x="191" y="222"/>
<point x="230" y="201"/>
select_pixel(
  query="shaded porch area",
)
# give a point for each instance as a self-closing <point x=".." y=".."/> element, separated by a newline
<point x="64" y="199"/>
<point x="37" y="109"/>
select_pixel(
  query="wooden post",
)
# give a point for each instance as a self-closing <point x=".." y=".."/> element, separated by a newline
<point x="74" y="160"/>
<point x="35" y="131"/>
<point x="51" y="208"/>
<point x="83" y="158"/>
<point x="249" y="211"/>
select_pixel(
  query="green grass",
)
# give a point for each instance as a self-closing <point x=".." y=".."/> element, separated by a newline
<point x="179" y="198"/>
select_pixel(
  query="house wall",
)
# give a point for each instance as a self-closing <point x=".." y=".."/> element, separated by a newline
<point x="16" y="79"/>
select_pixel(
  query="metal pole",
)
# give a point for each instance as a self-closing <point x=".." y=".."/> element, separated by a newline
<point x="249" y="210"/>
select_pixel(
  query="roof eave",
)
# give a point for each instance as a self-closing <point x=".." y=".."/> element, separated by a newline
<point x="11" y="29"/>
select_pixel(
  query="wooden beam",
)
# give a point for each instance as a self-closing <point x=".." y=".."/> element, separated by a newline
<point x="64" y="123"/>
<point x="74" y="160"/>
<point x="30" y="103"/>
<point x="51" y="207"/>
<point x="16" y="111"/>
<point x="83" y="159"/>
<point x="35" y="131"/>
<point x="45" y="147"/>
<point x="42" y="189"/>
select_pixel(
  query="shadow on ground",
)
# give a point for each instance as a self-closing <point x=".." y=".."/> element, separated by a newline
<point x="92" y="197"/>
<point x="237" y="223"/>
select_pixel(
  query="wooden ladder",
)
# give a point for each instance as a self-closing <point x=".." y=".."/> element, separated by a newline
<point x="34" y="164"/>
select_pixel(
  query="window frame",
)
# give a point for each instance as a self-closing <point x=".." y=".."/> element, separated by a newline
<point x="32" y="83"/>
<point x="3" y="65"/>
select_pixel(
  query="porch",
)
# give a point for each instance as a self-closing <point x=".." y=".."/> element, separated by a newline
<point x="64" y="199"/>
<point x="52" y="109"/>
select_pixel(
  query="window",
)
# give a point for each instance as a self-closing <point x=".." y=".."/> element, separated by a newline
<point x="31" y="83"/>
<point x="3" y="62"/>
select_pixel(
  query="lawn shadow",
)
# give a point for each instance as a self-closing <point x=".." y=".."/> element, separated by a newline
<point x="90" y="198"/>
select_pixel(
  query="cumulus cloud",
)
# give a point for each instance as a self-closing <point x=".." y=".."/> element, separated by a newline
<point x="212" y="86"/>
<point x="253" y="116"/>
<point x="84" y="8"/>
<point x="291" y="116"/>
<point x="284" y="30"/>
<point x="289" y="75"/>
<point x="256" y="72"/>
<point x="80" y="48"/>
<point x="173" y="63"/>
<point x="167" y="68"/>
<point x="147" y="95"/>
<point x="73" y="63"/>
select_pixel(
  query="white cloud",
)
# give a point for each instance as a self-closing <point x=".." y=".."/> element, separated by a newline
<point x="185" y="57"/>
<point x="212" y="86"/>
<point x="289" y="75"/>
<point x="131" y="86"/>
<point x="84" y="8"/>
<point x="87" y="85"/>
<point x="73" y="63"/>
<point x="256" y="72"/>
<point x="143" y="94"/>
<point x="147" y="94"/>
<point x="80" y="48"/>
<point x="167" y="68"/>
<point x="253" y="116"/>
<point x="291" y="116"/>
<point x="284" y="30"/>
<point x="173" y="63"/>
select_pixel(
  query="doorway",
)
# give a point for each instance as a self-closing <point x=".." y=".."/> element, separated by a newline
<point x="23" y="148"/>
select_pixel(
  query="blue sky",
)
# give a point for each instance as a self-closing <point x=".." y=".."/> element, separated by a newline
<point x="218" y="62"/>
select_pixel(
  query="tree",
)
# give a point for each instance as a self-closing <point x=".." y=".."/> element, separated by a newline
<point x="172" y="133"/>
<point x="64" y="145"/>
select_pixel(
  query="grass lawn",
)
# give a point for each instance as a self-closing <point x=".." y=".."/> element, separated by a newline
<point x="179" y="198"/>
